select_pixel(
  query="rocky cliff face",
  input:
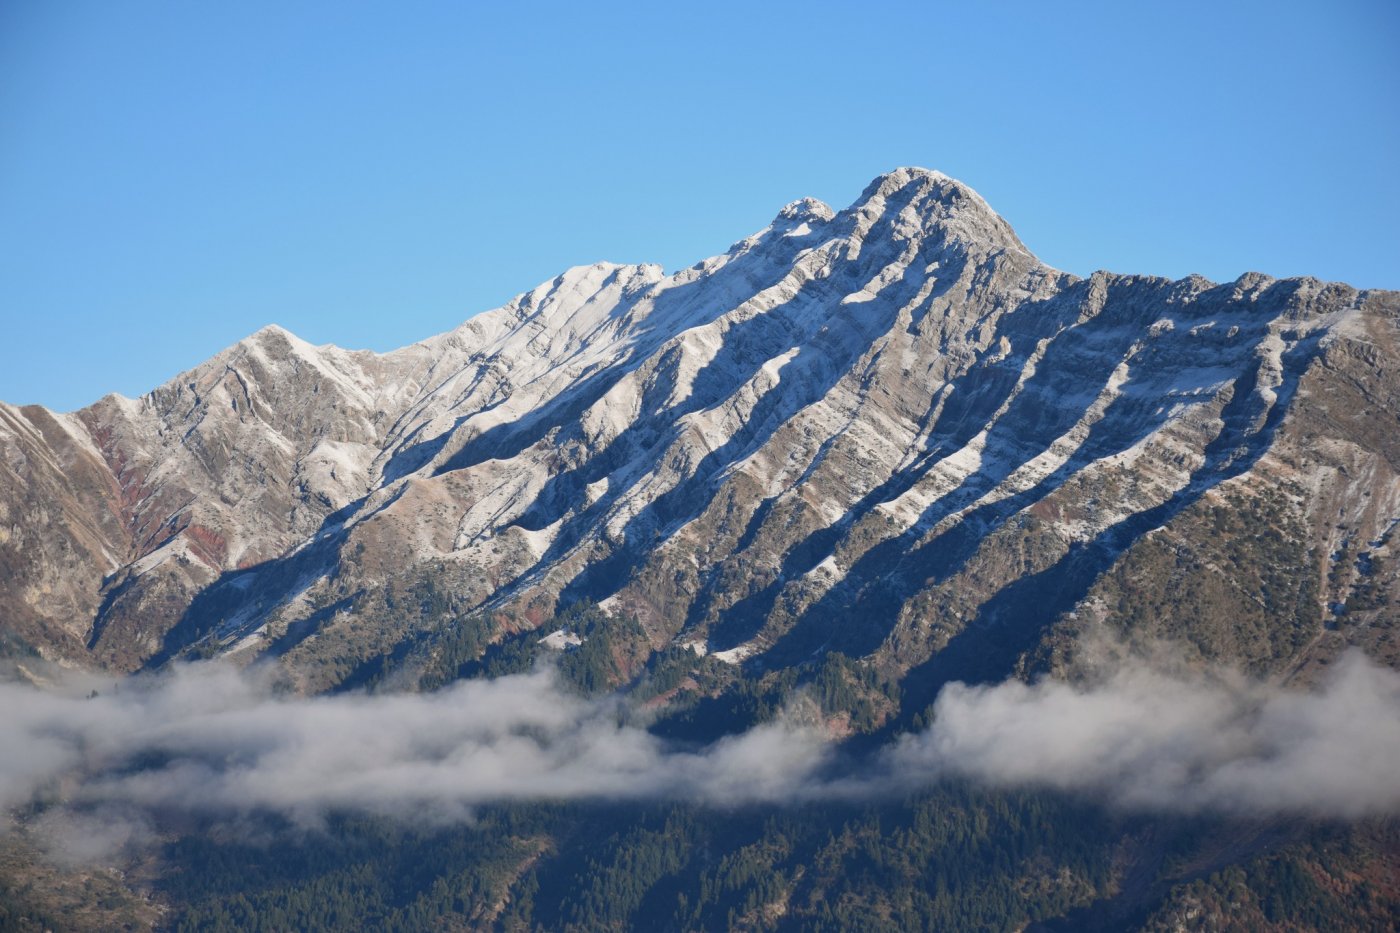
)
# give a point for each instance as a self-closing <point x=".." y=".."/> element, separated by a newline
<point x="889" y="431"/>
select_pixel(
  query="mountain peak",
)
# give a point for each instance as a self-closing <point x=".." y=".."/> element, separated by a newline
<point x="275" y="336"/>
<point x="928" y="182"/>
<point x="271" y="332"/>
<point x="899" y="177"/>
<point x="806" y="210"/>
<point x="940" y="202"/>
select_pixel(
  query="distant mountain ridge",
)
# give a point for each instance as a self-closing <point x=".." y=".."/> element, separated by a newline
<point x="889" y="431"/>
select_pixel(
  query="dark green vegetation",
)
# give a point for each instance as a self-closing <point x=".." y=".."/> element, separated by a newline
<point x="703" y="698"/>
<point x="1332" y="880"/>
<point x="953" y="858"/>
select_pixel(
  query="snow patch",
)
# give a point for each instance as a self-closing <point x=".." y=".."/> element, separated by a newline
<point x="736" y="654"/>
<point x="561" y="640"/>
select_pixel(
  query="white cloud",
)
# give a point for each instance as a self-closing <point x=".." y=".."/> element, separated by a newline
<point x="208" y="739"/>
<point x="212" y="739"/>
<point x="1208" y="741"/>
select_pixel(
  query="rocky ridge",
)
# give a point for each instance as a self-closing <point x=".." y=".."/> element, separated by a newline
<point x="889" y="431"/>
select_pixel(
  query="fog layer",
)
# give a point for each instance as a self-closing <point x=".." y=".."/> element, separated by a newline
<point x="209" y="739"/>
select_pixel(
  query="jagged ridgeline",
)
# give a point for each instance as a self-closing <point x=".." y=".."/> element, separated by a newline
<point x="889" y="432"/>
<point x="859" y="456"/>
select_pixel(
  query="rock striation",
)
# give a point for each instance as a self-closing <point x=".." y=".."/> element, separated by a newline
<point x="890" y="431"/>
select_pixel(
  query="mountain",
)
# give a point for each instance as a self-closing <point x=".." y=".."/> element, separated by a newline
<point x="777" y="502"/>
<point x="889" y="431"/>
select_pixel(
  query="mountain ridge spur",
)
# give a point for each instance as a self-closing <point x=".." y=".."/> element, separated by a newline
<point x="890" y="431"/>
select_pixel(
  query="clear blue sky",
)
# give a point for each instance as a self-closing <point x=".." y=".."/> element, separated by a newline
<point x="174" y="175"/>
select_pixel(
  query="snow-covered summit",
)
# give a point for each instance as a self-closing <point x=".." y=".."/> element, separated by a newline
<point x="937" y="204"/>
<point x="805" y="210"/>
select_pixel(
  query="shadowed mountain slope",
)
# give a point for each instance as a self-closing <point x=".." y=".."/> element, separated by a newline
<point x="889" y="431"/>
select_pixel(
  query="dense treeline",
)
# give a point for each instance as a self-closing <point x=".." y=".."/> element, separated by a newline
<point x="955" y="857"/>
<point x="1337" y="878"/>
<point x="611" y="650"/>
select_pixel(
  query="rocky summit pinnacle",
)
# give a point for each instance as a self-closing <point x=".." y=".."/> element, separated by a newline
<point x="806" y="210"/>
<point x="938" y="203"/>
<point x="889" y="431"/>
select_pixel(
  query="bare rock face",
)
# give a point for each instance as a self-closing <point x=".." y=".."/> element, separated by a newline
<point x="889" y="431"/>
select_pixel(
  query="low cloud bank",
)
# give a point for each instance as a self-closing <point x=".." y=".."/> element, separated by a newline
<point x="208" y="739"/>
<point x="1144" y="739"/>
